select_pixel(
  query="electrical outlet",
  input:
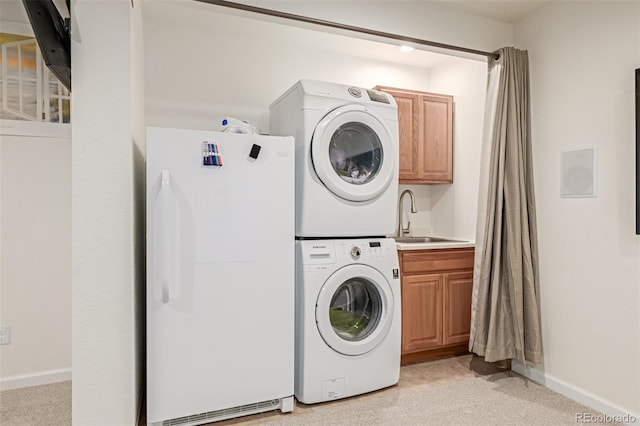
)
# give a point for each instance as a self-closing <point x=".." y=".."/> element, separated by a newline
<point x="5" y="335"/>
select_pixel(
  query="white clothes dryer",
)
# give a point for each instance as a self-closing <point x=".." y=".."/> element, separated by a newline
<point x="347" y="152"/>
<point x="348" y="318"/>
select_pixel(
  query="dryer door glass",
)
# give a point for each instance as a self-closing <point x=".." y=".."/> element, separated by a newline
<point x="356" y="153"/>
<point x="355" y="309"/>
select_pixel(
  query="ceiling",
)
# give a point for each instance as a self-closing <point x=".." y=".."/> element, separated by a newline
<point x="510" y="11"/>
<point x="503" y="10"/>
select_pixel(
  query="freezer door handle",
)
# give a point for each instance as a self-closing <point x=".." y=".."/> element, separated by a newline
<point x="167" y="228"/>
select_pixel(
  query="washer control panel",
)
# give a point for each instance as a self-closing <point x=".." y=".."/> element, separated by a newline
<point x="355" y="252"/>
<point x="364" y="250"/>
<point x="325" y="256"/>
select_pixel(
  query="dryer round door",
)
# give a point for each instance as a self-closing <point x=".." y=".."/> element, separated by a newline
<point x="354" y="310"/>
<point x="353" y="153"/>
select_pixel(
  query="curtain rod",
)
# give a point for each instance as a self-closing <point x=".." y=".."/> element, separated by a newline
<point x="332" y="24"/>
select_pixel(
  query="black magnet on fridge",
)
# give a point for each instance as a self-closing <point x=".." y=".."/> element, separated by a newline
<point x="255" y="151"/>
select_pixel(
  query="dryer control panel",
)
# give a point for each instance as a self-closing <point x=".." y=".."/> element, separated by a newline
<point x="376" y="96"/>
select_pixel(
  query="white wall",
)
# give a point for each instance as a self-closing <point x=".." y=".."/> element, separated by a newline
<point x="193" y="77"/>
<point x="35" y="272"/>
<point x="211" y="65"/>
<point x="36" y="223"/>
<point x="582" y="59"/>
<point x="453" y="206"/>
<point x="106" y="319"/>
<point x="14" y="19"/>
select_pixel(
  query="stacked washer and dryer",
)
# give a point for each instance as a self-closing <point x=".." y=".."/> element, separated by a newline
<point x="348" y="319"/>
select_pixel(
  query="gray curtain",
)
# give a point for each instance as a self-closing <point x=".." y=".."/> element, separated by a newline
<point x="505" y="317"/>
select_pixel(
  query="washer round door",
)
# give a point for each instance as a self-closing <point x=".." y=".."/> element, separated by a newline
<point x="353" y="153"/>
<point x="354" y="310"/>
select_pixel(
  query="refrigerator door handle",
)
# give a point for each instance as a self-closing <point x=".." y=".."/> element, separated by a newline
<point x="166" y="240"/>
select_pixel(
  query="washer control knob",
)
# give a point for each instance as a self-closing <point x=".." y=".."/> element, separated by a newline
<point x="355" y="91"/>
<point x="355" y="252"/>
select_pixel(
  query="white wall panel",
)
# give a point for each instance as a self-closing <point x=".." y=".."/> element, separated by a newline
<point x="35" y="273"/>
<point x="582" y="96"/>
<point x="105" y="386"/>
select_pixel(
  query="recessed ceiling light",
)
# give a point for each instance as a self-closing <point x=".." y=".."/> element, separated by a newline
<point x="406" y="48"/>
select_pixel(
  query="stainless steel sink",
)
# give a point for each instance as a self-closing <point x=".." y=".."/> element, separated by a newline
<point x="420" y="240"/>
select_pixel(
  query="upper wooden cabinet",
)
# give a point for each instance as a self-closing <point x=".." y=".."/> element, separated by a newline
<point x="425" y="123"/>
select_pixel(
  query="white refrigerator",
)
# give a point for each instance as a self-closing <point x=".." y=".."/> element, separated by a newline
<point x="220" y="275"/>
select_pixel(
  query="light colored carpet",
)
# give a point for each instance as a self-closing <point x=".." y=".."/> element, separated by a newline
<point x="38" y="405"/>
<point x="454" y="391"/>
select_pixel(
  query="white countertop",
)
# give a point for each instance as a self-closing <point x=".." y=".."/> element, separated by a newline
<point x="435" y="245"/>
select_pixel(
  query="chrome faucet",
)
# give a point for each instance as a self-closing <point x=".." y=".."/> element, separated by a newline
<point x="401" y="229"/>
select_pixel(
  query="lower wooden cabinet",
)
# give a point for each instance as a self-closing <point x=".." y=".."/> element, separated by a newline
<point x="436" y="290"/>
<point x="421" y="312"/>
<point x="457" y="307"/>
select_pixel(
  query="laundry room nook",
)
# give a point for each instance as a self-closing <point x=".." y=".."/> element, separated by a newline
<point x="352" y="106"/>
<point x="341" y="97"/>
<point x="320" y="212"/>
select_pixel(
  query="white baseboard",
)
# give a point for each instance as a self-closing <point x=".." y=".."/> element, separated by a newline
<point x="577" y="394"/>
<point x="35" y="379"/>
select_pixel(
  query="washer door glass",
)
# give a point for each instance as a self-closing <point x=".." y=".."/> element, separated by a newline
<point x="354" y="153"/>
<point x="354" y="310"/>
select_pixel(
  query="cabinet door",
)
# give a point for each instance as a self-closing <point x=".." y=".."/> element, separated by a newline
<point x="421" y="312"/>
<point x="436" y="134"/>
<point x="408" y="130"/>
<point x="458" y="288"/>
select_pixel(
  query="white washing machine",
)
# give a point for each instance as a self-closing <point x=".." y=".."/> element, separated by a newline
<point x="348" y="319"/>
<point x="347" y="152"/>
